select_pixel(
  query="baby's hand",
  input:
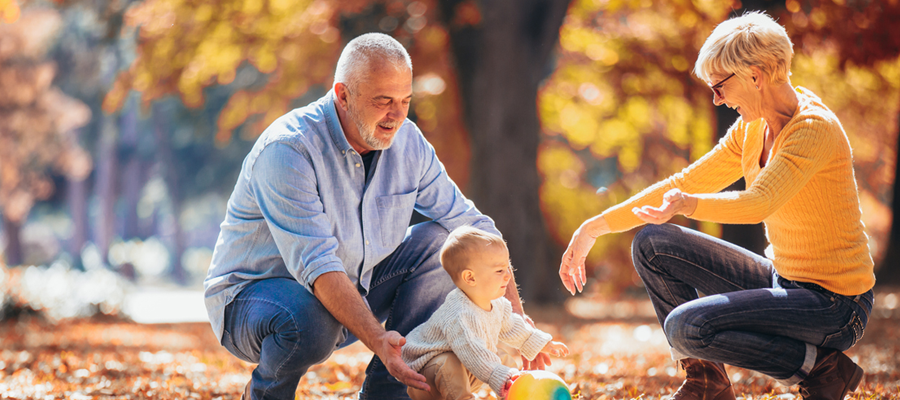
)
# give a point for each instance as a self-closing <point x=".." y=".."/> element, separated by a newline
<point x="556" y="349"/>
<point x="505" y="391"/>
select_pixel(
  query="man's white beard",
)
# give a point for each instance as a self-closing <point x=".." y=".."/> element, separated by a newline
<point x="367" y="131"/>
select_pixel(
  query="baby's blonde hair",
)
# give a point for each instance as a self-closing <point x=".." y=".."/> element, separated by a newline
<point x="753" y="39"/>
<point x="462" y="244"/>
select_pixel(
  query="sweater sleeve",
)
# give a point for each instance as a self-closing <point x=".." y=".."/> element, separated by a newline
<point x="474" y="353"/>
<point x="711" y="173"/>
<point x="804" y="150"/>
<point x="518" y="334"/>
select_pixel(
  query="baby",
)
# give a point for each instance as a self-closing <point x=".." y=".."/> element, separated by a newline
<point x="456" y="349"/>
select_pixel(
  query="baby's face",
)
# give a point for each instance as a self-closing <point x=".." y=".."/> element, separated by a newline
<point x="492" y="272"/>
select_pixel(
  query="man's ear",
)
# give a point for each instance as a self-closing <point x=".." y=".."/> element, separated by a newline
<point x="468" y="277"/>
<point x="342" y="94"/>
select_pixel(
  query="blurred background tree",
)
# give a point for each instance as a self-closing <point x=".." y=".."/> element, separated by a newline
<point x="37" y="122"/>
<point x="545" y="112"/>
<point x="500" y="50"/>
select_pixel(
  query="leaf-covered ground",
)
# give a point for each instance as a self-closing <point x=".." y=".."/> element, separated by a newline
<point x="618" y="352"/>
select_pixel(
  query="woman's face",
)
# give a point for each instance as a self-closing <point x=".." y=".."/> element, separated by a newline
<point x="737" y="93"/>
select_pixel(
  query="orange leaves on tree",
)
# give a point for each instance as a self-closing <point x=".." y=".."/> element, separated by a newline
<point x="863" y="32"/>
<point x="185" y="47"/>
<point x="466" y="13"/>
<point x="35" y="117"/>
<point x="437" y="103"/>
<point x="622" y="105"/>
<point x="9" y="11"/>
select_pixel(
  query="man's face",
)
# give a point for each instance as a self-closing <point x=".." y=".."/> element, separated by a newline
<point x="378" y="106"/>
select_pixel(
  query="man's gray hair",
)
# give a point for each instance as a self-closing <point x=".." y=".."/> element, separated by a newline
<point x="365" y="48"/>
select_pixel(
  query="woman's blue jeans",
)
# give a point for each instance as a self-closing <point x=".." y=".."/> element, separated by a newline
<point x="750" y="317"/>
<point x="282" y="327"/>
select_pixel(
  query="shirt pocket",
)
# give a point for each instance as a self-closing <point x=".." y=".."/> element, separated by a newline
<point x="395" y="212"/>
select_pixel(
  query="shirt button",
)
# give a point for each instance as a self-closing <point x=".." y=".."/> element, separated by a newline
<point x="367" y="242"/>
<point x="357" y="165"/>
<point x="343" y="151"/>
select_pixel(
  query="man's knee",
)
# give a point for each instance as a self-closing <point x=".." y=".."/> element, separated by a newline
<point x="303" y="348"/>
<point x="281" y="323"/>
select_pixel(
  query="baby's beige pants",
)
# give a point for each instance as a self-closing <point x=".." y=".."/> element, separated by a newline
<point x="450" y="380"/>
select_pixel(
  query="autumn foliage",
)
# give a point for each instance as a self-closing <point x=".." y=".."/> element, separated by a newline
<point x="36" y="118"/>
<point x="620" y="111"/>
<point x="618" y="352"/>
<point x="186" y="46"/>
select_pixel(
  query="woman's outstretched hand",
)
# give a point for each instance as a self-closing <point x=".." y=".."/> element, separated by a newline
<point x="571" y="269"/>
<point x="674" y="202"/>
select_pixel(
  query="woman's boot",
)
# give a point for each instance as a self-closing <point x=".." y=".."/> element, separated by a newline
<point x="705" y="380"/>
<point x="832" y="377"/>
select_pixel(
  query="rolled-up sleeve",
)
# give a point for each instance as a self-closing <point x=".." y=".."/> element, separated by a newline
<point x="283" y="181"/>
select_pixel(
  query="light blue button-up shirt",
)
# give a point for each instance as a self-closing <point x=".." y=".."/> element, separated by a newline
<point x="302" y="206"/>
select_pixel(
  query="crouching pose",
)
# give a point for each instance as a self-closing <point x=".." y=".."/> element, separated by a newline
<point x="791" y="314"/>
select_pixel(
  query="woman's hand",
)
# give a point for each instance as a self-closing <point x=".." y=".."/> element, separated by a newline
<point x="674" y="202"/>
<point x="571" y="269"/>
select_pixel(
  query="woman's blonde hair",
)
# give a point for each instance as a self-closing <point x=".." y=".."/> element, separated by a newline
<point x="753" y="39"/>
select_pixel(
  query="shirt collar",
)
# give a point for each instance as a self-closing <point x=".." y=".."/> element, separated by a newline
<point x="334" y="124"/>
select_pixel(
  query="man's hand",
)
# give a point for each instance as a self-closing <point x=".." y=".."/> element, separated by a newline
<point x="389" y="353"/>
<point x="342" y="300"/>
<point x="541" y="361"/>
<point x="674" y="202"/>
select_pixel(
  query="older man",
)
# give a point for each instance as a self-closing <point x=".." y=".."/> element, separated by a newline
<point x="315" y="250"/>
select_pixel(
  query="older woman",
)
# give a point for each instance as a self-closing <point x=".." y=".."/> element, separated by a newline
<point x="791" y="314"/>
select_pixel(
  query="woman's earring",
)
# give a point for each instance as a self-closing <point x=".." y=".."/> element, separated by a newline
<point x="757" y="87"/>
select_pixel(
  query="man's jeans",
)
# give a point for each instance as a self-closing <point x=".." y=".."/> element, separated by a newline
<point x="279" y="325"/>
<point x="750" y="317"/>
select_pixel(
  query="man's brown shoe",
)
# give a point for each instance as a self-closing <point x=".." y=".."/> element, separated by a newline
<point x="705" y="380"/>
<point x="832" y="377"/>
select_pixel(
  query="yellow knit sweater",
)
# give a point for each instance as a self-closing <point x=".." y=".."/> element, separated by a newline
<point x="806" y="195"/>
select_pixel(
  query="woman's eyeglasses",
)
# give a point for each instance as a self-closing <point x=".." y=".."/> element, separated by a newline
<point x="718" y="86"/>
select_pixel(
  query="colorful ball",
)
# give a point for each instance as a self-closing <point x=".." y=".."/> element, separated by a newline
<point x="539" y="385"/>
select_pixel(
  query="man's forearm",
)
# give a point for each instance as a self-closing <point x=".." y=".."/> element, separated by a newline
<point x="341" y="299"/>
<point x="512" y="294"/>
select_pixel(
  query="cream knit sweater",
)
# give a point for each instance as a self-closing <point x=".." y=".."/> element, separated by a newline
<point x="806" y="194"/>
<point x="471" y="333"/>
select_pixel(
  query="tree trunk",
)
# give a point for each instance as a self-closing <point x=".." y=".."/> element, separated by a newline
<point x="501" y="63"/>
<point x="888" y="272"/>
<point x="107" y="167"/>
<point x="77" y="197"/>
<point x="750" y="237"/>
<point x="12" y="231"/>
<point x="132" y="174"/>
<point x="170" y="173"/>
